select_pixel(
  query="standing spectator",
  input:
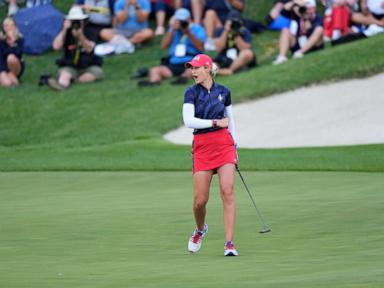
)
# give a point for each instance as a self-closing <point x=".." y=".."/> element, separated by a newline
<point x="234" y="46"/>
<point x="131" y="21"/>
<point x="78" y="63"/>
<point x="185" y="40"/>
<point x="305" y="33"/>
<point x="216" y="15"/>
<point x="100" y="15"/>
<point x="11" y="50"/>
<point x="195" y="6"/>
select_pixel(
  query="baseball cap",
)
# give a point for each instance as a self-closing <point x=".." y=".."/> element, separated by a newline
<point x="182" y="14"/>
<point x="199" y="61"/>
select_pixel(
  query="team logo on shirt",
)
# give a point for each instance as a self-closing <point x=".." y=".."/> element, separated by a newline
<point x="220" y="97"/>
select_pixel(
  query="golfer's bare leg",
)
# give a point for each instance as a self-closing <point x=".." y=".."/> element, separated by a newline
<point x="201" y="184"/>
<point x="226" y="178"/>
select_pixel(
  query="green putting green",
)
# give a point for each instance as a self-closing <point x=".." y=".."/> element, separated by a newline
<point x="130" y="229"/>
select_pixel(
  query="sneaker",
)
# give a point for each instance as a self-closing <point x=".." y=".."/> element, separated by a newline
<point x="210" y="45"/>
<point x="229" y="249"/>
<point x="298" y="54"/>
<point x="180" y="81"/>
<point x="52" y="82"/>
<point x="279" y="60"/>
<point x="194" y="243"/>
<point x="140" y="73"/>
<point x="122" y="45"/>
<point x="373" y="29"/>
<point x="104" y="49"/>
<point x="146" y="83"/>
<point x="160" y="30"/>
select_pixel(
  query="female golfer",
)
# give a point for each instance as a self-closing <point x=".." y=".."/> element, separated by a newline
<point x="207" y="108"/>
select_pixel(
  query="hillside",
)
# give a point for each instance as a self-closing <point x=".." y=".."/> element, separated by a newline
<point x="38" y="127"/>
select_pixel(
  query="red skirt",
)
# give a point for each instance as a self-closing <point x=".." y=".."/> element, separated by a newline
<point x="212" y="150"/>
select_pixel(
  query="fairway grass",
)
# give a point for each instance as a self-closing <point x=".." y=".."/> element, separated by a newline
<point x="130" y="229"/>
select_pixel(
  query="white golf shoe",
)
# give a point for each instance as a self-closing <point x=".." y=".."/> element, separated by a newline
<point x="229" y="249"/>
<point x="194" y="243"/>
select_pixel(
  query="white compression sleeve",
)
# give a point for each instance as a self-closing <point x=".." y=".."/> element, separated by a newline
<point x="191" y="121"/>
<point x="231" y="124"/>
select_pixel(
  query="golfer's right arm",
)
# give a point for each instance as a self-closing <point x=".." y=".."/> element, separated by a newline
<point x="191" y="121"/>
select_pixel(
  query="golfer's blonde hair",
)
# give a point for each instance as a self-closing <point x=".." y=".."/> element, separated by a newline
<point x="214" y="70"/>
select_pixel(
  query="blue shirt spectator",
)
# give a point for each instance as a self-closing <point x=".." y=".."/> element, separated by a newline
<point x="191" y="50"/>
<point x="185" y="40"/>
<point x="132" y="23"/>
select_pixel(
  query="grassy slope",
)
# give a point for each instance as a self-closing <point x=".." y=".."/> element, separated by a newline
<point x="151" y="155"/>
<point x="130" y="229"/>
<point x="42" y="129"/>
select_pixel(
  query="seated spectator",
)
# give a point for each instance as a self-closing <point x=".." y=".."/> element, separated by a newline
<point x="195" y="6"/>
<point x="216" y="15"/>
<point x="234" y="46"/>
<point x="100" y="14"/>
<point x="305" y="33"/>
<point x="79" y="63"/>
<point x="372" y="13"/>
<point x="12" y="8"/>
<point x="131" y="21"/>
<point x="337" y="22"/>
<point x="185" y="40"/>
<point x="11" y="50"/>
<point x="13" y="5"/>
<point x="161" y="10"/>
<point x="275" y="20"/>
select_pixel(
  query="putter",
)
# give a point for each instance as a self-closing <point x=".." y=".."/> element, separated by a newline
<point x="265" y="228"/>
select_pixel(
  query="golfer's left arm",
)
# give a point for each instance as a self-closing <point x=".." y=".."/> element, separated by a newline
<point x="231" y="122"/>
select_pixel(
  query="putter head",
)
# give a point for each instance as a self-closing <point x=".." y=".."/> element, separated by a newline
<point x="265" y="230"/>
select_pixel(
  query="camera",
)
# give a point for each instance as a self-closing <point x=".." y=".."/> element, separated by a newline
<point x="184" y="24"/>
<point x="236" y="25"/>
<point x="76" y="24"/>
<point x="300" y="10"/>
<point x="43" y="80"/>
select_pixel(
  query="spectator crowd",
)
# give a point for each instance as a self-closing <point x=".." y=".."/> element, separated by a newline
<point x="93" y="29"/>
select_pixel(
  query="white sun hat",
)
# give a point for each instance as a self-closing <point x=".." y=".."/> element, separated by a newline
<point x="310" y="3"/>
<point x="76" y="13"/>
